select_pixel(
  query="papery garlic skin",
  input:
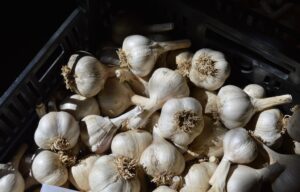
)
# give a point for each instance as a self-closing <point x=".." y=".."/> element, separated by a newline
<point x="255" y="91"/>
<point x="162" y="160"/>
<point x="79" y="174"/>
<point x="198" y="176"/>
<point x="10" y="179"/>
<point x="57" y="131"/>
<point x="115" y="98"/>
<point x="48" y="169"/>
<point x="131" y="143"/>
<point x="235" y="107"/>
<point x="209" y="69"/>
<point x="164" y="189"/>
<point x="106" y="176"/>
<point x="85" y="75"/>
<point x="140" y="53"/>
<point x="181" y="121"/>
<point x="269" y="127"/>
<point x="80" y="106"/>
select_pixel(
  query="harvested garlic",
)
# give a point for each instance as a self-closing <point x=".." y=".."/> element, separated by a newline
<point x="79" y="173"/>
<point x="163" y="85"/>
<point x="85" y="75"/>
<point x="207" y="68"/>
<point x="293" y="124"/>
<point x="80" y="106"/>
<point x="115" y="98"/>
<point x="114" y="173"/>
<point x="51" y="168"/>
<point x="255" y="91"/>
<point x="97" y="132"/>
<point x="162" y="160"/>
<point x="269" y="127"/>
<point x="57" y="131"/>
<point x="235" y="107"/>
<point x="131" y="143"/>
<point x="209" y="142"/>
<point x="181" y="121"/>
<point x="198" y="176"/>
<point x="11" y="179"/>
<point x="239" y="147"/>
<point x="139" y="53"/>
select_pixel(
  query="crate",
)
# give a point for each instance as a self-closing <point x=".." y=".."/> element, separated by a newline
<point x="258" y="49"/>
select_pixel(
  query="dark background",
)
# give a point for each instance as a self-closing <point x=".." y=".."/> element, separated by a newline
<point x="25" y="27"/>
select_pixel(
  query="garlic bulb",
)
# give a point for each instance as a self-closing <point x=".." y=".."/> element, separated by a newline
<point x="207" y="99"/>
<point x="51" y="168"/>
<point x="79" y="174"/>
<point x="163" y="85"/>
<point x="115" y="98"/>
<point x="164" y="188"/>
<point x="114" y="173"/>
<point x="162" y="160"/>
<point x="269" y="127"/>
<point x="184" y="62"/>
<point x="11" y="179"/>
<point x="140" y="53"/>
<point x="80" y="106"/>
<point x="255" y="91"/>
<point x="209" y="142"/>
<point x="209" y="69"/>
<point x="181" y="121"/>
<point x="287" y="180"/>
<point x="198" y="176"/>
<point x="247" y="179"/>
<point x="236" y="108"/>
<point x="97" y="132"/>
<point x="57" y="131"/>
<point x="85" y="75"/>
<point x="131" y="143"/>
<point x="293" y="125"/>
<point x="239" y="148"/>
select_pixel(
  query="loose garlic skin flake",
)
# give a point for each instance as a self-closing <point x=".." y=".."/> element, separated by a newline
<point x="57" y="131"/>
<point x="209" y="69"/>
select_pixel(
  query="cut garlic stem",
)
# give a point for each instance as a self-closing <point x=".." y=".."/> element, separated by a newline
<point x="262" y="104"/>
<point x="40" y="110"/>
<point x="118" y="121"/>
<point x="173" y="45"/>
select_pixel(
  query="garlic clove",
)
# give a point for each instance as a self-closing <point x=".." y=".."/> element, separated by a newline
<point x="57" y="131"/>
<point x="80" y="106"/>
<point x="255" y="91"/>
<point x="114" y="101"/>
<point x="209" y="69"/>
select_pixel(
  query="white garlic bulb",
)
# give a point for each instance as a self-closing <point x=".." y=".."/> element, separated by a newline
<point x="85" y="75"/>
<point x="79" y="173"/>
<point x="269" y="127"/>
<point x="51" y="168"/>
<point x="198" y="176"/>
<point x="115" y="98"/>
<point x="209" y="142"/>
<point x="131" y="143"/>
<point x="255" y="91"/>
<point x="57" y="131"/>
<point x="140" y="53"/>
<point x="184" y="62"/>
<point x="162" y="160"/>
<point x="293" y="124"/>
<point x="114" y="173"/>
<point x="11" y="179"/>
<point x="239" y="147"/>
<point x="80" y="106"/>
<point x="181" y="121"/>
<point x="209" y="69"/>
<point x="235" y="107"/>
<point x="97" y="132"/>
<point x="164" y="84"/>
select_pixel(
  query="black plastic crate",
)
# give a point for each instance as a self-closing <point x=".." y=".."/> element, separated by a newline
<point x="258" y="49"/>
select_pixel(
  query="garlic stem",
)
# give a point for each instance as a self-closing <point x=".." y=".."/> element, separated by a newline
<point x="40" y="110"/>
<point x="173" y="45"/>
<point x="158" y="27"/>
<point x="261" y="104"/>
<point x="18" y="156"/>
<point x="118" y="121"/>
<point x="144" y="102"/>
<point x="219" y="177"/>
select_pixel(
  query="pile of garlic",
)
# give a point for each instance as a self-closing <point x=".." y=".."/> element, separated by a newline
<point x="139" y="126"/>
